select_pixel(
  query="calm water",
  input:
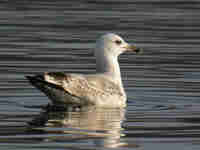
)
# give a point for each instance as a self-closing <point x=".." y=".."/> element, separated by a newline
<point x="162" y="84"/>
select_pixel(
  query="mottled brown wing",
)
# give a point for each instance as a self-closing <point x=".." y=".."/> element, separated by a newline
<point x="83" y="86"/>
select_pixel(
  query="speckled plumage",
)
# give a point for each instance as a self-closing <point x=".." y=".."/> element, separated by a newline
<point x="103" y="89"/>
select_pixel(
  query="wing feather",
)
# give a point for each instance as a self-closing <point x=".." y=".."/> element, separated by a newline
<point x="83" y="86"/>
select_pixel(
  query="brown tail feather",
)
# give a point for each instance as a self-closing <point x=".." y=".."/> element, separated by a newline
<point x="55" y="92"/>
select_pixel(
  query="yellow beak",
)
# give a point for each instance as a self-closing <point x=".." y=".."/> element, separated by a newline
<point x="133" y="48"/>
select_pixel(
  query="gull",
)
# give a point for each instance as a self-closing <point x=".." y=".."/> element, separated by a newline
<point x="102" y="89"/>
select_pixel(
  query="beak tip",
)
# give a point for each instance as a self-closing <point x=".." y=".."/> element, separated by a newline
<point x="138" y="51"/>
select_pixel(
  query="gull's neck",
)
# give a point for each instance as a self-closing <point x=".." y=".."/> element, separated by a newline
<point x="108" y="64"/>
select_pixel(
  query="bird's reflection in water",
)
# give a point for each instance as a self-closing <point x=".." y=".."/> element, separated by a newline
<point x="101" y="126"/>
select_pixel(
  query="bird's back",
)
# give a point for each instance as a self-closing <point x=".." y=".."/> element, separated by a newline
<point x="77" y="89"/>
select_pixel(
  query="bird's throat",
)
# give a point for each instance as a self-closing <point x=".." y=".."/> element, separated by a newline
<point x="108" y="64"/>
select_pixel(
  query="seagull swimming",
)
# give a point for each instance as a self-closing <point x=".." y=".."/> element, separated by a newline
<point x="102" y="89"/>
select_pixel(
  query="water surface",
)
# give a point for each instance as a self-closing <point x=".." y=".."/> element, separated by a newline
<point x="162" y="84"/>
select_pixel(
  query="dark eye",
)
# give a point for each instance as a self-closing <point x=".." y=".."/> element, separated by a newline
<point x="118" y="42"/>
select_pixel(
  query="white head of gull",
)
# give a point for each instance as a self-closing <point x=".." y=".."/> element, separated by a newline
<point x="103" y="89"/>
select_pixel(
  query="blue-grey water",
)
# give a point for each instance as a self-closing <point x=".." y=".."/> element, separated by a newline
<point x="162" y="84"/>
